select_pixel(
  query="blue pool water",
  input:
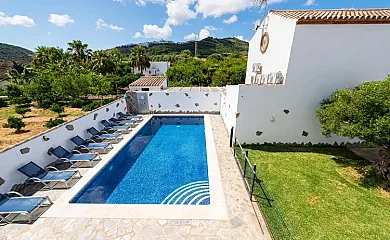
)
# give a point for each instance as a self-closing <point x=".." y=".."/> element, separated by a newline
<point x="165" y="163"/>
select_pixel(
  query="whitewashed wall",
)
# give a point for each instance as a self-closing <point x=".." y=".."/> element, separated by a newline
<point x="276" y="58"/>
<point x="11" y="159"/>
<point x="184" y="102"/>
<point x="229" y="100"/>
<point x="323" y="58"/>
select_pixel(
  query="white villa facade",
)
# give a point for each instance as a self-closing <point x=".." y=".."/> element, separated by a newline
<point x="155" y="69"/>
<point x="303" y="58"/>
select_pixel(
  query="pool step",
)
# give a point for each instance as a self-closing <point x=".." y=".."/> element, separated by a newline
<point x="195" y="193"/>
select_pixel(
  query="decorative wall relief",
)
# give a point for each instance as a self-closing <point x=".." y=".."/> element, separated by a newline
<point x="286" y="111"/>
<point x="69" y="127"/>
<point x="159" y="105"/>
<point x="237" y="115"/>
<point x="150" y="94"/>
<point x="215" y="104"/>
<point x="167" y="94"/>
<point x="117" y="105"/>
<point x="2" y="181"/>
<point x="25" y="150"/>
<point x="95" y="116"/>
<point x="305" y="134"/>
<point x="272" y="119"/>
<point x="258" y="133"/>
<point x="49" y="151"/>
<point x="45" y="138"/>
<point x="177" y="105"/>
<point x="186" y="94"/>
<point x="107" y="109"/>
<point x="207" y="94"/>
<point x="196" y="104"/>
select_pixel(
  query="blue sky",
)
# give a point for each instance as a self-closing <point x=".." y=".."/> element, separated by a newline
<point x="108" y="23"/>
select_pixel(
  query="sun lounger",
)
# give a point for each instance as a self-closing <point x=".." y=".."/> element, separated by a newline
<point x="104" y="135"/>
<point x="85" y="145"/>
<point x="67" y="156"/>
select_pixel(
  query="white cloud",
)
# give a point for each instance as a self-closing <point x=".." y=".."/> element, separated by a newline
<point x="48" y="33"/>
<point x="60" y="20"/>
<point x="191" y="36"/>
<point x="210" y="28"/>
<point x="231" y="20"/>
<point x="153" y="31"/>
<point x="100" y="24"/>
<point x="309" y="2"/>
<point x="216" y="8"/>
<point x="142" y="3"/>
<point x="17" y="20"/>
<point x="179" y="12"/>
<point x="241" y="38"/>
<point x="204" y="34"/>
<point x="120" y="1"/>
<point x="137" y="35"/>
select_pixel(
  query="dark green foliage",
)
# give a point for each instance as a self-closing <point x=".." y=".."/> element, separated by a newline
<point x="80" y="102"/>
<point x="3" y="103"/>
<point x="13" y="90"/>
<point x="215" y="57"/>
<point x="194" y="72"/>
<point x="52" y="123"/>
<point x="206" y="47"/>
<point x="14" y="122"/>
<point x="22" y="110"/>
<point x="362" y="112"/>
<point x="57" y="108"/>
<point x="22" y="100"/>
<point x="92" y="106"/>
<point x="15" y="53"/>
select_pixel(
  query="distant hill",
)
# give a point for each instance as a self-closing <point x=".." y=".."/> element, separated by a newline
<point x="206" y="47"/>
<point x="14" y="53"/>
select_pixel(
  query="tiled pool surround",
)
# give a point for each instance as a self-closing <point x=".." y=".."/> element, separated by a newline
<point x="215" y="210"/>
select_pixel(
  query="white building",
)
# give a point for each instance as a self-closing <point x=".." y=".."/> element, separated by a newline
<point x="298" y="58"/>
<point x="155" y="69"/>
<point x="149" y="83"/>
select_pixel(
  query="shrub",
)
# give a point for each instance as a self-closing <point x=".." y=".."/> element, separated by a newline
<point x="52" y="123"/>
<point x="80" y="102"/>
<point x="14" y="122"/>
<point x="22" y="110"/>
<point x="21" y="100"/>
<point x="57" y="108"/>
<point x="92" y="106"/>
<point x="3" y="103"/>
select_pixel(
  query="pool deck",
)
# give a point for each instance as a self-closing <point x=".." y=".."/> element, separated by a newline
<point x="242" y="221"/>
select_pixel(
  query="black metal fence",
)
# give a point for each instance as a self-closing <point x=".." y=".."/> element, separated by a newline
<point x="258" y="191"/>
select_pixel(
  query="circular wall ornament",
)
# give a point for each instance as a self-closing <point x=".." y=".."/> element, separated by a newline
<point x="264" y="42"/>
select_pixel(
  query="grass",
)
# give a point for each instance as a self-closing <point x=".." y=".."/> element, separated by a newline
<point x="34" y="121"/>
<point x="323" y="193"/>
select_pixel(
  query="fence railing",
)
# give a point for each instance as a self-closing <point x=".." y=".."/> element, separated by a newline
<point x="259" y="192"/>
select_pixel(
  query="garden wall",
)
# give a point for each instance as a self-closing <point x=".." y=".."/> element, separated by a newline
<point x="36" y="148"/>
<point x="184" y="102"/>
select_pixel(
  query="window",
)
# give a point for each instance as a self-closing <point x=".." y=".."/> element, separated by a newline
<point x="144" y="89"/>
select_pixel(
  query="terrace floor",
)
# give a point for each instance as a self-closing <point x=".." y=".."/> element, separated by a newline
<point x="242" y="221"/>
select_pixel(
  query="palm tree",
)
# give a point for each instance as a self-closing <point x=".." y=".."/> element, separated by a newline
<point x="78" y="49"/>
<point x="140" y="58"/>
<point x="102" y="63"/>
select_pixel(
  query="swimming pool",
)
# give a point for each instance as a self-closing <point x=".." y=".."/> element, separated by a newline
<point x="164" y="163"/>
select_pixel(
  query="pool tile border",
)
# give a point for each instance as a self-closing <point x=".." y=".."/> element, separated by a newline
<point x="215" y="211"/>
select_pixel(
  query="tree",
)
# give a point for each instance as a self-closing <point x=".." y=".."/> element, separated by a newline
<point x="57" y="109"/>
<point x="22" y="110"/>
<point x="102" y="63"/>
<point x="362" y="112"/>
<point x="14" y="122"/>
<point x="140" y="58"/>
<point x="79" y="50"/>
<point x="215" y="57"/>
<point x="13" y="90"/>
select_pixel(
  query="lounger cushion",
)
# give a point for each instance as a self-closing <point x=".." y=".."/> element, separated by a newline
<point x="110" y="136"/>
<point x="119" y="128"/>
<point x="56" y="176"/>
<point x="82" y="157"/>
<point x="21" y="204"/>
<point x="98" y="145"/>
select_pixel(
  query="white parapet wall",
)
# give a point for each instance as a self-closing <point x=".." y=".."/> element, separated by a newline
<point x="229" y="105"/>
<point x="36" y="148"/>
<point x="184" y="102"/>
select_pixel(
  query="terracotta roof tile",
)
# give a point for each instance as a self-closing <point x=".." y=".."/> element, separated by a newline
<point x="341" y="16"/>
<point x="148" y="81"/>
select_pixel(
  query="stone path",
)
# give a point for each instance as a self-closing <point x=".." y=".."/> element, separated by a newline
<point x="242" y="223"/>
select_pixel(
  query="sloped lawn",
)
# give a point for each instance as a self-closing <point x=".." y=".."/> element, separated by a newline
<point x="324" y="193"/>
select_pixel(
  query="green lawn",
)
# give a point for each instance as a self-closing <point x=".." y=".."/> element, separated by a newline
<point x="323" y="193"/>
